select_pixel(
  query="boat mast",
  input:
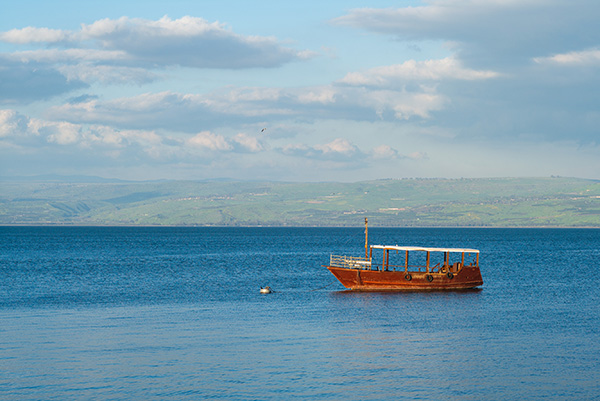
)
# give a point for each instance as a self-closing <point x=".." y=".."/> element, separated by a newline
<point x="366" y="239"/>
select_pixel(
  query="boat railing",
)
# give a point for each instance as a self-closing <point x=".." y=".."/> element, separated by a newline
<point x="349" y="262"/>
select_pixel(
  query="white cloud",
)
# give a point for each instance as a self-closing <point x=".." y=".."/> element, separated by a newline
<point x="489" y="88"/>
<point x="31" y="81"/>
<point x="187" y="41"/>
<point x="34" y="35"/>
<point x="494" y="33"/>
<point x="12" y="123"/>
<point x="384" y="152"/>
<point x="31" y="136"/>
<point x="36" y="134"/>
<point x="339" y="150"/>
<point x="187" y="112"/>
<point x="417" y="156"/>
<point x="147" y="111"/>
<point x="248" y="143"/>
<point x="127" y="51"/>
<point x="339" y="146"/>
<point x="252" y="94"/>
<point x="107" y="74"/>
<point x="63" y="133"/>
<point x="324" y="95"/>
<point x="184" y="27"/>
<point x="210" y="141"/>
<point x="448" y="68"/>
<point x="68" y="56"/>
<point x="86" y="65"/>
<point x="590" y="57"/>
<point x="402" y="104"/>
<point x="435" y="19"/>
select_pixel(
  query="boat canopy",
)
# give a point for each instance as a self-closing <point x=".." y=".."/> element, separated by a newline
<point x="418" y="248"/>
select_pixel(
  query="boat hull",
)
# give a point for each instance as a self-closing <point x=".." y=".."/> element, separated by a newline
<point x="382" y="280"/>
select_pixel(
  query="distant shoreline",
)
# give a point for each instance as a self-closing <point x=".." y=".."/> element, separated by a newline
<point x="468" y="203"/>
<point x="284" y="226"/>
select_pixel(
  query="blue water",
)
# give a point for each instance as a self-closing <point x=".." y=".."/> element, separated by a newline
<point x="175" y="313"/>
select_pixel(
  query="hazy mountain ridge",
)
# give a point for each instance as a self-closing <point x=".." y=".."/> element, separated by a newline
<point x="493" y="202"/>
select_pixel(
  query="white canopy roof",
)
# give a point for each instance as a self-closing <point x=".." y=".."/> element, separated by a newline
<point x="419" y="248"/>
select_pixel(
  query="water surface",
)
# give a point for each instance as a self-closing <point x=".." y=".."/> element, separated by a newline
<point x="175" y="313"/>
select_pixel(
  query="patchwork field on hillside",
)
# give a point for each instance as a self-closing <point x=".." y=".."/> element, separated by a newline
<point x="494" y="202"/>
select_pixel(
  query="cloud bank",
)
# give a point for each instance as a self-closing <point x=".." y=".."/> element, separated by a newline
<point x="511" y="75"/>
<point x="102" y="144"/>
<point x="129" y="50"/>
<point x="488" y="33"/>
<point x="187" y="41"/>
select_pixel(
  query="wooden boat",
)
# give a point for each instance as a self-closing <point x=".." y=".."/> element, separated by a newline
<point x="412" y="268"/>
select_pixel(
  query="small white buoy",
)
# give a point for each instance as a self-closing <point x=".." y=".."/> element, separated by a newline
<point x="265" y="290"/>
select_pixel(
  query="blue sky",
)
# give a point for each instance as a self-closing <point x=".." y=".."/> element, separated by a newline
<point x="314" y="91"/>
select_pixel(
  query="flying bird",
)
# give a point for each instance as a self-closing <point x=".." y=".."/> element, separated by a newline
<point x="263" y="130"/>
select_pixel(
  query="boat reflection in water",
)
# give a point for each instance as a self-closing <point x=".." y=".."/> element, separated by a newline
<point x="411" y="268"/>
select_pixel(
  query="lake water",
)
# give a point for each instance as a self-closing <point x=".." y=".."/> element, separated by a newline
<point x="175" y="313"/>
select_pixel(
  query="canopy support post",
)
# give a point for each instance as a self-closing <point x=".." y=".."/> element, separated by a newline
<point x="366" y="239"/>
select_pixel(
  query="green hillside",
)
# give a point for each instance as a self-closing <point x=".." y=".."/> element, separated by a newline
<point x="496" y="202"/>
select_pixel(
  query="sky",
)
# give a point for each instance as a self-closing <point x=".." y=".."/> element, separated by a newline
<point x="300" y="91"/>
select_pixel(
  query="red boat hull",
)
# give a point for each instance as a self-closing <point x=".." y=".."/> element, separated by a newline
<point x="382" y="280"/>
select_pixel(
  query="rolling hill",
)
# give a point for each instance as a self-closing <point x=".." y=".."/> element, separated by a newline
<point x="493" y="202"/>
